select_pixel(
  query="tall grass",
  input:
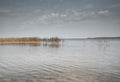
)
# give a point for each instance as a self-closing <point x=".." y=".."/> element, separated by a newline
<point x="30" y="41"/>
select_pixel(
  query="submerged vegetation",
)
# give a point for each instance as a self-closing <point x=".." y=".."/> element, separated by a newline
<point x="31" y="41"/>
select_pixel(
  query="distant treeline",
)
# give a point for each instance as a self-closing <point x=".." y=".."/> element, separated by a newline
<point x="28" y="40"/>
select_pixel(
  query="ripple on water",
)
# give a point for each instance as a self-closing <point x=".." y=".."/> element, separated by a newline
<point x="90" y="61"/>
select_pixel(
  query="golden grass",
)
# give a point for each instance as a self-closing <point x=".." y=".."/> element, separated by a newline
<point x="29" y="41"/>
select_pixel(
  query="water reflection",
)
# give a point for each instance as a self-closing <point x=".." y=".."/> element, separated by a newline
<point x="51" y="44"/>
<point x="103" y="45"/>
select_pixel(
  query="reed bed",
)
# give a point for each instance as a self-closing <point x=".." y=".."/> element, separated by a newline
<point x="30" y="41"/>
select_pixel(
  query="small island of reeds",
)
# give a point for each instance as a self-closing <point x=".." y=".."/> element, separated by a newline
<point x="30" y="41"/>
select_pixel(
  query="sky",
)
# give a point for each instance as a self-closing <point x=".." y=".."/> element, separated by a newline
<point x="60" y="18"/>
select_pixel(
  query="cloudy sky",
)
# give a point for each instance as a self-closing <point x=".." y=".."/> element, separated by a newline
<point x="61" y="18"/>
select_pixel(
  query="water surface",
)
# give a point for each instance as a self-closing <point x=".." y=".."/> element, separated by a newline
<point x="72" y="61"/>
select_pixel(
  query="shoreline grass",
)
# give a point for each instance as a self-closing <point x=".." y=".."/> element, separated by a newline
<point x="29" y="41"/>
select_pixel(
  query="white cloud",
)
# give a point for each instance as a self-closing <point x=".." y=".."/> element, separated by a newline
<point x="69" y="15"/>
<point x="63" y="15"/>
<point x="54" y="14"/>
<point x="104" y="12"/>
<point x="76" y="13"/>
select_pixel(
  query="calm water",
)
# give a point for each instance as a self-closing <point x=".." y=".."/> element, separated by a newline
<point x="73" y="61"/>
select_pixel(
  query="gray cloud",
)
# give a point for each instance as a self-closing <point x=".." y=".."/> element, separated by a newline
<point x="69" y="15"/>
<point x="4" y="11"/>
<point x="72" y="16"/>
<point x="116" y="5"/>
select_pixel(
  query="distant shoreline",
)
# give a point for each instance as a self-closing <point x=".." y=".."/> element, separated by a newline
<point x="44" y="41"/>
<point x="93" y="38"/>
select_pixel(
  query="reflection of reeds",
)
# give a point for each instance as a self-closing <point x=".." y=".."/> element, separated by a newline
<point x="31" y="41"/>
<point x="52" y="42"/>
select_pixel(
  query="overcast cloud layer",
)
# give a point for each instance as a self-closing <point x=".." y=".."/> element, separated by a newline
<point x="62" y="18"/>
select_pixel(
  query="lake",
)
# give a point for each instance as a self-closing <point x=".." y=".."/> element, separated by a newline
<point x="89" y="60"/>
